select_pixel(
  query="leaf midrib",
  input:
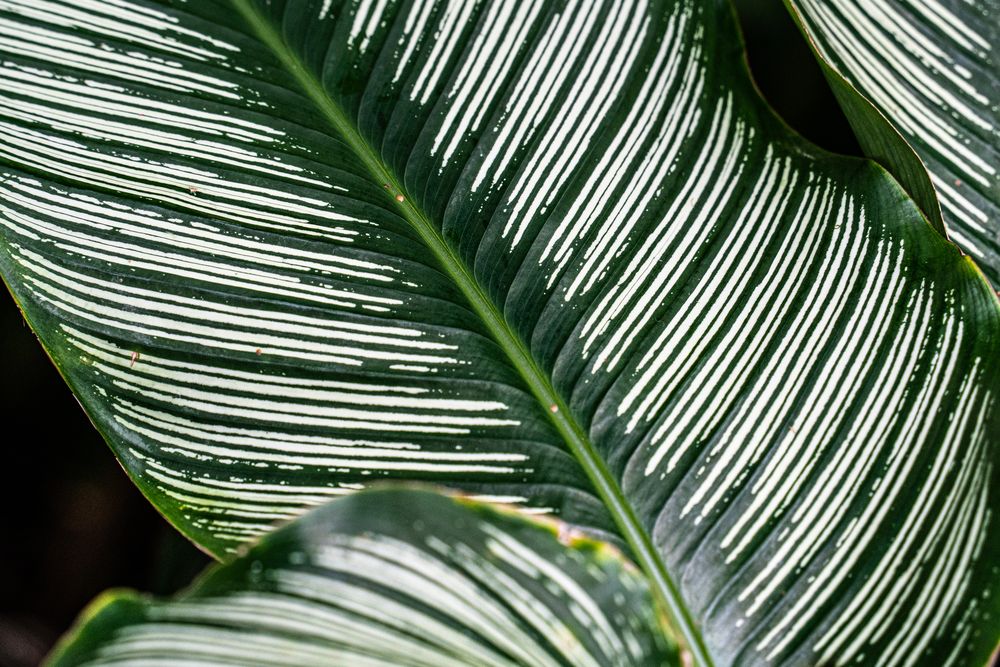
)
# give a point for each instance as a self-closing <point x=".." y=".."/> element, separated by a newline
<point x="663" y="585"/>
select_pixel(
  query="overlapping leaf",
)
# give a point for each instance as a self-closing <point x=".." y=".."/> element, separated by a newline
<point x="932" y="67"/>
<point x="554" y="253"/>
<point x="395" y="578"/>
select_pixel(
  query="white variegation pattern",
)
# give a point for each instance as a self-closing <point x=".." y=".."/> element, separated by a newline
<point x="268" y="337"/>
<point x="550" y="253"/>
<point x="426" y="588"/>
<point x="933" y="68"/>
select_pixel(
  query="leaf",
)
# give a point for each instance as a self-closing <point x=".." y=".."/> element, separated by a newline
<point x="932" y="69"/>
<point x="555" y="254"/>
<point x="391" y="577"/>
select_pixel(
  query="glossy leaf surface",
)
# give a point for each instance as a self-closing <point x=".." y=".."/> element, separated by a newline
<point x="558" y="254"/>
<point x="932" y="67"/>
<point x="393" y="578"/>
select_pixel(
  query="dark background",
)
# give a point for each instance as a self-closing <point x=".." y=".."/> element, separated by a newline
<point x="73" y="524"/>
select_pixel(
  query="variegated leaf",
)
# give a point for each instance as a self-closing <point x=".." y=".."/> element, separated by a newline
<point x="397" y="578"/>
<point x="554" y="253"/>
<point x="932" y="67"/>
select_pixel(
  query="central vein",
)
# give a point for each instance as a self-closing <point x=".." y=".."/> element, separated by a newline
<point x="538" y="382"/>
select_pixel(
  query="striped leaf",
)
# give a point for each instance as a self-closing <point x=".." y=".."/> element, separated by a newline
<point x="932" y="69"/>
<point x="558" y="254"/>
<point x="398" y="578"/>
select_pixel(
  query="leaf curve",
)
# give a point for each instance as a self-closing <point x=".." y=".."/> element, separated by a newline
<point x="556" y="254"/>
<point x="932" y="68"/>
<point x="391" y="577"/>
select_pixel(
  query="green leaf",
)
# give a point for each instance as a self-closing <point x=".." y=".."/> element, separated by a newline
<point x="557" y="254"/>
<point x="391" y="577"/>
<point x="930" y="68"/>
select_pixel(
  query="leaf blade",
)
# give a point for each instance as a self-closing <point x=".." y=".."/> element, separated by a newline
<point x="930" y="69"/>
<point x="709" y="327"/>
<point x="338" y="587"/>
